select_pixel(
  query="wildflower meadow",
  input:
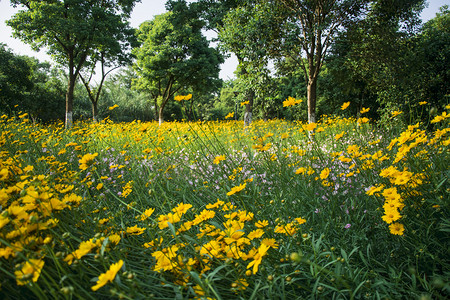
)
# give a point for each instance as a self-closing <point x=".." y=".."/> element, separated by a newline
<point x="343" y="208"/>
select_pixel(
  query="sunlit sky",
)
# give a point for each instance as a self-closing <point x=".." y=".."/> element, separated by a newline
<point x="142" y="12"/>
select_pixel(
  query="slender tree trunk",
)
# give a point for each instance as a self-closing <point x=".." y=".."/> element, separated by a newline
<point x="69" y="101"/>
<point x="95" y="111"/>
<point x="311" y="99"/>
<point x="161" y="110"/>
<point x="155" y="108"/>
<point x="250" y="95"/>
<point x="160" y="115"/>
<point x="249" y="109"/>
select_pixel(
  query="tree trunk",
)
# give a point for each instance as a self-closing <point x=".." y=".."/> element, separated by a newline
<point x="160" y="115"/>
<point x="161" y="110"/>
<point x="94" y="111"/>
<point x="250" y="95"/>
<point x="249" y="109"/>
<point x="69" y="101"/>
<point x="312" y="98"/>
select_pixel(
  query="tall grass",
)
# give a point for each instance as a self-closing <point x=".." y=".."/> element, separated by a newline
<point x="339" y="209"/>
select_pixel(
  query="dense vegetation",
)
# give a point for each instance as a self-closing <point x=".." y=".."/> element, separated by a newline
<point x="383" y="59"/>
<point x="319" y="172"/>
<point x="338" y="208"/>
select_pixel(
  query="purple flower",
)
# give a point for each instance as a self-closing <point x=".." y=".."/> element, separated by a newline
<point x="348" y="226"/>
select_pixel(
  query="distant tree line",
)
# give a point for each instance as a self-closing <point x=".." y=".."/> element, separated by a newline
<point x="375" y="54"/>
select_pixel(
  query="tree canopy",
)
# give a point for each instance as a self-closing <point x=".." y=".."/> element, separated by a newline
<point x="72" y="31"/>
<point x="175" y="56"/>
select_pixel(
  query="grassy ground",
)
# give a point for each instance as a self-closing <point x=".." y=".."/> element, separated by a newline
<point x="337" y="209"/>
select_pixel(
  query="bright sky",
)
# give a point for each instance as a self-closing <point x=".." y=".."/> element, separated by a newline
<point x="142" y="12"/>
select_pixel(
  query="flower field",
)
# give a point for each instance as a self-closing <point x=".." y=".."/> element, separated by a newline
<point x="338" y="209"/>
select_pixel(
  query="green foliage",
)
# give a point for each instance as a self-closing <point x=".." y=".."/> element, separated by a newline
<point x="383" y="62"/>
<point x="316" y="185"/>
<point x="73" y="31"/>
<point x="15" y="78"/>
<point x="30" y="86"/>
<point x="174" y="55"/>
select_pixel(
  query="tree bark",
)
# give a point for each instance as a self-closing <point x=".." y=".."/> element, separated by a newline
<point x="160" y="115"/>
<point x="312" y="99"/>
<point x="95" y="111"/>
<point x="69" y="101"/>
<point x="156" y="110"/>
<point x="249" y="109"/>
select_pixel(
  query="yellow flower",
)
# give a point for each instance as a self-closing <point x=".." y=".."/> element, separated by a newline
<point x="108" y="276"/>
<point x="345" y="105"/>
<point x="203" y="216"/>
<point x="311" y="126"/>
<point x="262" y="224"/>
<point x="3" y="220"/>
<point x="245" y="103"/>
<point x="270" y="243"/>
<point x="135" y="230"/>
<point x="218" y="159"/>
<point x="215" y="205"/>
<point x="403" y="177"/>
<point x="375" y="189"/>
<point x="29" y="271"/>
<point x="7" y="252"/>
<point x="391" y="216"/>
<point x="291" y="101"/>
<point x="423" y="102"/>
<point x="391" y="194"/>
<point x="179" y="98"/>
<point x="28" y="169"/>
<point x="4" y="173"/>
<point x="113" y="107"/>
<point x="287" y="229"/>
<point x="87" y="160"/>
<point x="338" y="136"/>
<point x="390" y="205"/>
<point x="257" y="258"/>
<point x="362" y="120"/>
<point x="240" y="284"/>
<point x="437" y="119"/>
<point x="300" y="171"/>
<point x="182" y="208"/>
<point x="364" y="110"/>
<point x="325" y="173"/>
<point x="114" y="238"/>
<point x="230" y="115"/>
<point x="236" y="189"/>
<point x="255" y="234"/>
<point x="396" y="113"/>
<point x="396" y="228"/>
<point x="164" y="220"/>
<point x="147" y="213"/>
<point x="99" y="186"/>
<point x="300" y="220"/>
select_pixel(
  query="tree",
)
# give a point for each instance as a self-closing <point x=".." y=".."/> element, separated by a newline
<point x="111" y="56"/>
<point x="72" y="31"/>
<point x="431" y="75"/>
<point x="43" y="101"/>
<point x="15" y="79"/>
<point x="374" y="61"/>
<point x="106" y="59"/>
<point x="311" y="26"/>
<point x="29" y="86"/>
<point x="174" y="55"/>
<point x="249" y="31"/>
